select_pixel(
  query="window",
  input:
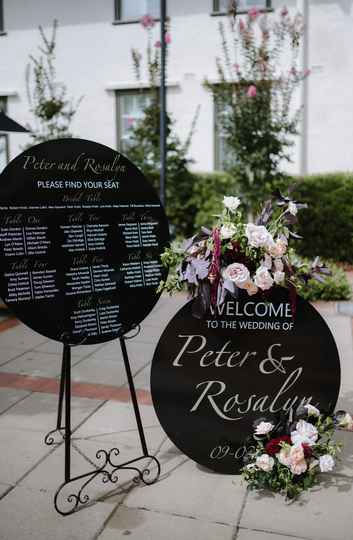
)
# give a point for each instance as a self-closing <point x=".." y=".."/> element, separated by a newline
<point x="132" y="10"/>
<point x="4" y="140"/>
<point x="222" y="153"/>
<point x="221" y="6"/>
<point x="1" y="17"/>
<point x="130" y="106"/>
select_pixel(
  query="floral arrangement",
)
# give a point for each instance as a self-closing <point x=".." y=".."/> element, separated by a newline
<point x="241" y="255"/>
<point x="288" y="457"/>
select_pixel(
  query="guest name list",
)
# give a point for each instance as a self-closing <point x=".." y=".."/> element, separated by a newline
<point x="85" y="243"/>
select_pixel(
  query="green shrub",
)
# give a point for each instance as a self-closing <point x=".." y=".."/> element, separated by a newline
<point x="335" y="287"/>
<point x="327" y="224"/>
<point x="209" y="190"/>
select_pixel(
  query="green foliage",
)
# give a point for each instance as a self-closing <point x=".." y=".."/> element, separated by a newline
<point x="145" y="148"/>
<point x="327" y="224"/>
<point x="209" y="190"/>
<point x="334" y="287"/>
<point x="47" y="98"/>
<point x="255" y="94"/>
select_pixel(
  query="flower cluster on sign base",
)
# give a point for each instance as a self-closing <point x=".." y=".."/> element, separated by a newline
<point x="240" y="255"/>
<point x="287" y="456"/>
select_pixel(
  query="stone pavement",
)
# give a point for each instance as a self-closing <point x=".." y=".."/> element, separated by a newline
<point x="188" y="502"/>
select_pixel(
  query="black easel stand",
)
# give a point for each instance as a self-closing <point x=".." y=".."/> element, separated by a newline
<point x="149" y="469"/>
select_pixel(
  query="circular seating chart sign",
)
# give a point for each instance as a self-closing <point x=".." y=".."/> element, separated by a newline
<point x="249" y="359"/>
<point x="81" y="233"/>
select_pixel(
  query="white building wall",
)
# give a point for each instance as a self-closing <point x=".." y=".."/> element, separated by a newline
<point x="93" y="57"/>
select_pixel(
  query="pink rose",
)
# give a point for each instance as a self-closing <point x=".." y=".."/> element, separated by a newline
<point x="158" y="44"/>
<point x="253" y="13"/>
<point x="147" y="21"/>
<point x="278" y="248"/>
<point x="251" y="92"/>
<point x="300" y="467"/>
<point x="263" y="278"/>
<point x="241" y="25"/>
<point x="238" y="273"/>
<point x="306" y="72"/>
<point x="167" y="38"/>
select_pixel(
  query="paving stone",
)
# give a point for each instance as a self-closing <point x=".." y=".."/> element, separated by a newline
<point x="4" y="488"/>
<point x="189" y="490"/>
<point x="345" y="463"/>
<point x="114" y="417"/>
<point x="345" y="308"/>
<point x="99" y="369"/>
<point x="20" y="451"/>
<point x="38" y="413"/>
<point x="21" y="337"/>
<point x="130" y="440"/>
<point x="49" y="474"/>
<point x="10" y="396"/>
<point x="143" y="379"/>
<point x="54" y="347"/>
<point x="9" y="353"/>
<point x="147" y="525"/>
<point x="341" y="328"/>
<point x="247" y="534"/>
<point x="324" y="513"/>
<point x="30" y="515"/>
<point x="36" y="364"/>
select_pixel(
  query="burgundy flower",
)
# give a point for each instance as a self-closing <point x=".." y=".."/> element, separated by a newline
<point x="273" y="446"/>
<point x="308" y="452"/>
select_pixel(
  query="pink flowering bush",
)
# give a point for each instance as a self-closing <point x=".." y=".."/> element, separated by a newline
<point x="258" y="75"/>
<point x="287" y="455"/>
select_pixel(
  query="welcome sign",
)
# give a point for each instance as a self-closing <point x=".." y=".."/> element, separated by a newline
<point x="249" y="358"/>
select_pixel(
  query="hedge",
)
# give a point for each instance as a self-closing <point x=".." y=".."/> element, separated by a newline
<point x="327" y="224"/>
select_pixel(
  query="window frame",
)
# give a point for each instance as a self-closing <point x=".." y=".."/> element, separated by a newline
<point x="2" y="25"/>
<point x="5" y="136"/>
<point x="118" y="14"/>
<point x="118" y="95"/>
<point x="216" y="8"/>
<point x="217" y="166"/>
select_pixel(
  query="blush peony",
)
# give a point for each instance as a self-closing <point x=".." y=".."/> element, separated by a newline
<point x="238" y="273"/>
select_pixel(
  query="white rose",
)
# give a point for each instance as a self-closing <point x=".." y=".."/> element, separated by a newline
<point x="238" y="273"/>
<point x="292" y="208"/>
<point x="227" y="231"/>
<point x="277" y="248"/>
<point x="283" y="456"/>
<point x="263" y="278"/>
<point x="305" y="433"/>
<point x="326" y="463"/>
<point x="267" y="262"/>
<point x="312" y="411"/>
<point x="346" y="422"/>
<point x="279" y="265"/>
<point x="231" y="203"/>
<point x="258" y="235"/>
<point x="279" y="277"/>
<point x="265" y="462"/>
<point x="263" y="428"/>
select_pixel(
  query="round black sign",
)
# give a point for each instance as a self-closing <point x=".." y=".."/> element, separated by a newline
<point x="212" y="378"/>
<point x="81" y="233"/>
